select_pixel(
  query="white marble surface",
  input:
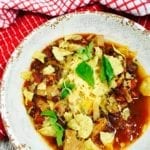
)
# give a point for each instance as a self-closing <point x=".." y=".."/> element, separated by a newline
<point x="6" y="145"/>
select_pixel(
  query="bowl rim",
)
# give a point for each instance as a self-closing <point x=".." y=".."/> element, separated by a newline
<point x="15" y="54"/>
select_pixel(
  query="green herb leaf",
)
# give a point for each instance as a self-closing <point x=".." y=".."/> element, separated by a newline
<point x="68" y="85"/>
<point x="56" y="126"/>
<point x="66" y="89"/>
<point x="86" y="52"/>
<point x="64" y="93"/>
<point x="59" y="133"/>
<point x="85" y="72"/>
<point x="109" y="70"/>
<point x="107" y="73"/>
<point x="51" y="114"/>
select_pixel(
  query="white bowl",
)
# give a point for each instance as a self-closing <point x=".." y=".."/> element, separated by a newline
<point x="16" y="121"/>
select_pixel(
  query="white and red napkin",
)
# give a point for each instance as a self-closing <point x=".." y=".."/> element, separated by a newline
<point x="9" y="8"/>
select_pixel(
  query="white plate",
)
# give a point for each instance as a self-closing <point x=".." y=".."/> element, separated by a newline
<point x="17" y="123"/>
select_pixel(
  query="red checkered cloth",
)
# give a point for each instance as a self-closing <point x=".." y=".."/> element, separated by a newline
<point x="24" y="21"/>
<point x="9" y="8"/>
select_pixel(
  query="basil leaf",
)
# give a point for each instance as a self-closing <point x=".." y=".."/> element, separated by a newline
<point x="85" y="72"/>
<point x="68" y="85"/>
<point x="59" y="133"/>
<point x="56" y="126"/>
<point x="107" y="73"/>
<point x="64" y="93"/>
<point x="51" y="114"/>
<point x="86" y="52"/>
<point x="66" y="89"/>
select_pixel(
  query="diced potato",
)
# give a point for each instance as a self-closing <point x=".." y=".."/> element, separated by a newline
<point x="125" y="113"/>
<point x="75" y="37"/>
<point x="41" y="89"/>
<point x="48" y="70"/>
<point x="41" y="86"/>
<point x="89" y="145"/>
<point x="107" y="137"/>
<point x="47" y="131"/>
<point x="39" y="55"/>
<point x="83" y="124"/>
<point x="145" y="86"/>
<point x="26" y="75"/>
<point x="60" y="53"/>
<point x="28" y="95"/>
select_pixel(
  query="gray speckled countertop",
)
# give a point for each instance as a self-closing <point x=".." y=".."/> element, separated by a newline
<point x="6" y="145"/>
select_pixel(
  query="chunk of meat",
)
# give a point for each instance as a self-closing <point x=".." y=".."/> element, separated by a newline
<point x="134" y="84"/>
<point x="51" y="79"/>
<point x="123" y="95"/>
<point x="48" y="52"/>
<point x="37" y="76"/>
<point x="37" y="65"/>
<point x="39" y="119"/>
<point x="131" y="66"/>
